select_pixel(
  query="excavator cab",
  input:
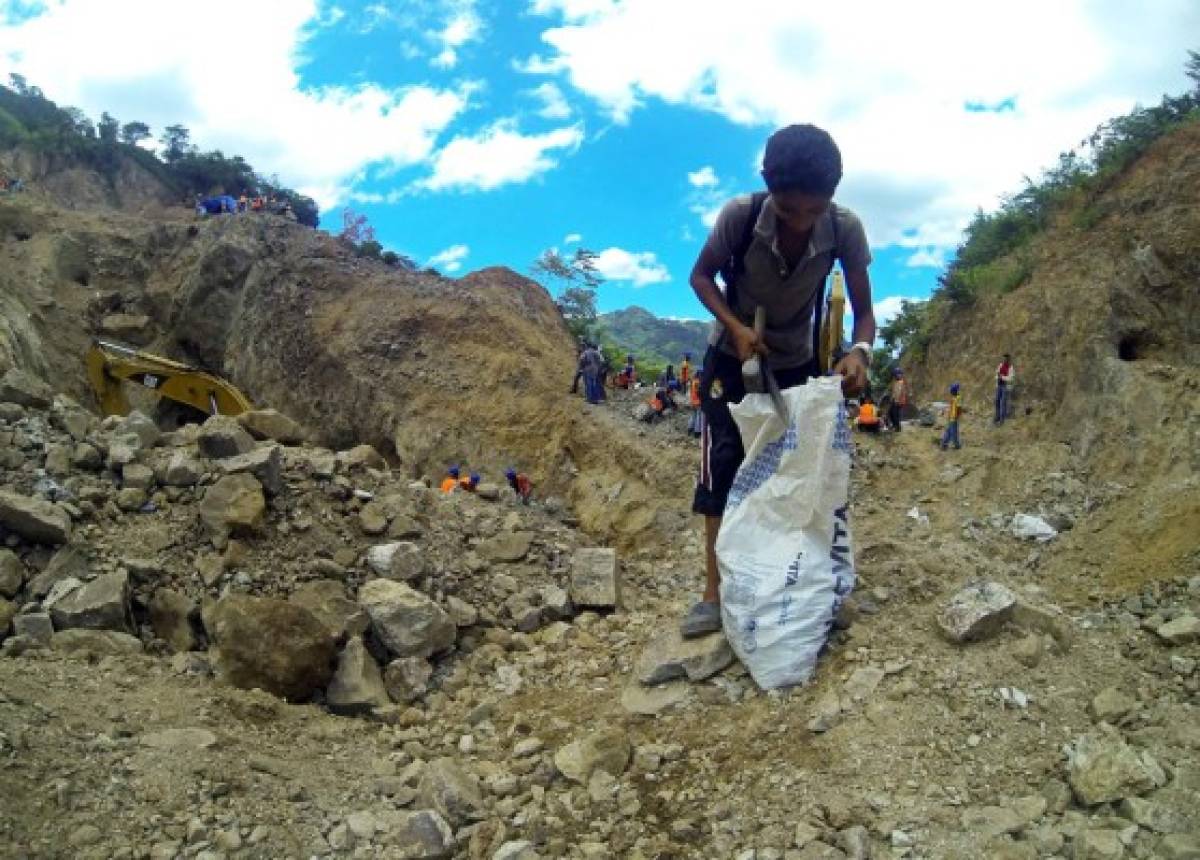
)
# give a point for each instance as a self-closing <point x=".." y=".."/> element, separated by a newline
<point x="109" y="365"/>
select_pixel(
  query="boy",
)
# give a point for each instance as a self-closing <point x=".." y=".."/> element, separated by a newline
<point x="899" y="392"/>
<point x="798" y="234"/>
<point x="952" y="416"/>
<point x="1004" y="378"/>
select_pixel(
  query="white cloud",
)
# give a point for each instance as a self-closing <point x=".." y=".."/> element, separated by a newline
<point x="640" y="268"/>
<point x="934" y="258"/>
<point x="464" y="26"/>
<point x="915" y="157"/>
<point x="705" y="177"/>
<point x="554" y="103"/>
<point x="249" y="102"/>
<point x="449" y="260"/>
<point x="886" y="309"/>
<point x="497" y="156"/>
<point x="572" y="239"/>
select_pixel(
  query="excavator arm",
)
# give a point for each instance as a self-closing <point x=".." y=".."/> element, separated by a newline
<point x="111" y="364"/>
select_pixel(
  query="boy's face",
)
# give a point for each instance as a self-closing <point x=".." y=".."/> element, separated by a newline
<point x="797" y="210"/>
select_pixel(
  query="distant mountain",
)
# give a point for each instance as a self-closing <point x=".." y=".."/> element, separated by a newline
<point x="653" y="338"/>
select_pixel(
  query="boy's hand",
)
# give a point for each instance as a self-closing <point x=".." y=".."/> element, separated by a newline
<point x="746" y="342"/>
<point x="853" y="370"/>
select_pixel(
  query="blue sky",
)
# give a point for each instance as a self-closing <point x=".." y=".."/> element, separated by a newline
<point x="481" y="132"/>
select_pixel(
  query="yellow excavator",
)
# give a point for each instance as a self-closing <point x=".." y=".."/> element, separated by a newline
<point x="830" y="348"/>
<point x="111" y="364"/>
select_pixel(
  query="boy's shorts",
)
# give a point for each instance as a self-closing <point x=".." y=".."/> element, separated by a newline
<point x="721" y="451"/>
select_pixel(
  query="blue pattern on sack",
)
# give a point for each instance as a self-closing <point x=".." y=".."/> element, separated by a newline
<point x="841" y="430"/>
<point x="754" y="474"/>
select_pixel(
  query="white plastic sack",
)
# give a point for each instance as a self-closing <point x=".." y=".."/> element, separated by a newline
<point x="784" y="546"/>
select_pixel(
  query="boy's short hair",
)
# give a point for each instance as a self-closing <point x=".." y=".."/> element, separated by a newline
<point x="802" y="158"/>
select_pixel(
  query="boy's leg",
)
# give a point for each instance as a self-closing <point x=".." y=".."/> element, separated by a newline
<point x="946" y="434"/>
<point x="712" y="574"/>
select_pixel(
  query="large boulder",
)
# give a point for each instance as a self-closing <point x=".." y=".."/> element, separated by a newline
<point x="17" y="386"/>
<point x="102" y="604"/>
<point x="507" y="546"/>
<point x="140" y="425"/>
<point x="130" y="328"/>
<point x="171" y="615"/>
<point x="265" y="464"/>
<point x="407" y="622"/>
<point x="221" y="436"/>
<point x="357" y="685"/>
<point x="327" y="600"/>
<point x="183" y="470"/>
<point x="269" y="424"/>
<point x="70" y="561"/>
<point x="453" y="792"/>
<point x="233" y="506"/>
<point x="33" y="519"/>
<point x="1103" y="768"/>
<point x="272" y="644"/>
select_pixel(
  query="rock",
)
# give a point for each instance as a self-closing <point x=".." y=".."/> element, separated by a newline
<point x="17" y="386"/>
<point x="8" y="612"/>
<point x="183" y="470"/>
<point x="1028" y="527"/>
<point x="128" y="328"/>
<point x="488" y="492"/>
<point x="122" y="451"/>
<point x="1149" y="814"/>
<point x="33" y="519"/>
<point x="517" y="850"/>
<point x="12" y="573"/>
<point x="136" y="476"/>
<point x="607" y="750"/>
<point x="102" y="604"/>
<point x="863" y="682"/>
<point x="361" y="456"/>
<point x="69" y="562"/>
<point x="422" y="835"/>
<point x="452" y="792"/>
<point x="372" y="519"/>
<point x="58" y="460"/>
<point x="461" y="613"/>
<point x="856" y="842"/>
<point x="98" y="642"/>
<point x="233" y="506"/>
<point x="87" y="457"/>
<point x="669" y="656"/>
<point x="1103" y="768"/>
<point x="1150" y="266"/>
<point x="357" y="685"/>
<point x="1097" y="845"/>
<point x="1184" y="629"/>
<point x="1045" y="619"/>
<point x="979" y="610"/>
<point x="406" y="679"/>
<point x="265" y="464"/>
<point x="533" y="608"/>
<point x="131" y="499"/>
<point x="35" y="625"/>
<point x="986" y="822"/>
<point x="1110" y="704"/>
<point x="221" y="437"/>
<point x="272" y="644"/>
<point x="171" y="616"/>
<point x="651" y="701"/>
<point x="179" y="740"/>
<point x="140" y="425"/>
<point x="1179" y="846"/>
<point x="827" y="713"/>
<point x="407" y="622"/>
<point x="595" y="578"/>
<point x="269" y="424"/>
<point x="327" y="600"/>
<point x="399" y="560"/>
<point x="507" y="547"/>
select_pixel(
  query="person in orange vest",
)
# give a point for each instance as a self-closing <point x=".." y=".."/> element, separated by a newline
<point x="520" y="483"/>
<point x="450" y="484"/>
<point x="868" y="417"/>
<point x="685" y="371"/>
<point x="695" y="425"/>
<point x="469" y="483"/>
<point x="899" y="393"/>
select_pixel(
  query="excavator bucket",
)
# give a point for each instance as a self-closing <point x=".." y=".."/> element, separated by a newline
<point x="110" y="365"/>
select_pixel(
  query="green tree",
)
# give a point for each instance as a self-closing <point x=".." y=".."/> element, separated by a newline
<point x="134" y="133"/>
<point x="21" y="86"/>
<point x="177" y="143"/>
<point x="108" y="128"/>
<point x="77" y="121"/>
<point x="1192" y="68"/>
<point x="579" y="279"/>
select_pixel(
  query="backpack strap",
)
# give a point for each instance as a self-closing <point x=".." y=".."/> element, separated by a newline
<point x="735" y="266"/>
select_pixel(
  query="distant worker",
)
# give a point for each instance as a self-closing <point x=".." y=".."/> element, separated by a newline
<point x="868" y="418"/>
<point x="520" y="484"/>
<point x="1005" y="374"/>
<point x="591" y="363"/>
<point x="469" y="483"/>
<point x="666" y="379"/>
<point x="243" y="203"/>
<point x="685" y="371"/>
<point x="578" y="369"/>
<point x="950" y="437"/>
<point x="696" y="424"/>
<point x="450" y="484"/>
<point x="899" y="398"/>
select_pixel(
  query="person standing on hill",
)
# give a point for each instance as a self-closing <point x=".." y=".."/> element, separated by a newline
<point x="450" y="482"/>
<point x="685" y="371"/>
<point x="1005" y="374"/>
<point x="590" y="364"/>
<point x="950" y="437"/>
<point x="774" y="251"/>
<point x="899" y="398"/>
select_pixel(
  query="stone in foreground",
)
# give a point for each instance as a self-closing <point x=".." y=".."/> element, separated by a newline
<point x="407" y="622"/>
<point x="271" y="644"/>
<point x="978" y="611"/>
<point x="269" y="424"/>
<point x="1103" y="768"/>
<point x="33" y="519"/>
<point x="453" y="792"/>
<point x="102" y="604"/>
<point x="607" y="750"/>
<point x="595" y="578"/>
<point x="669" y="656"/>
<point x="233" y="506"/>
<point x="357" y="685"/>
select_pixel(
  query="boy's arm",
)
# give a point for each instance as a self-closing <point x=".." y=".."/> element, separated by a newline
<point x="853" y="367"/>
<point x="703" y="280"/>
